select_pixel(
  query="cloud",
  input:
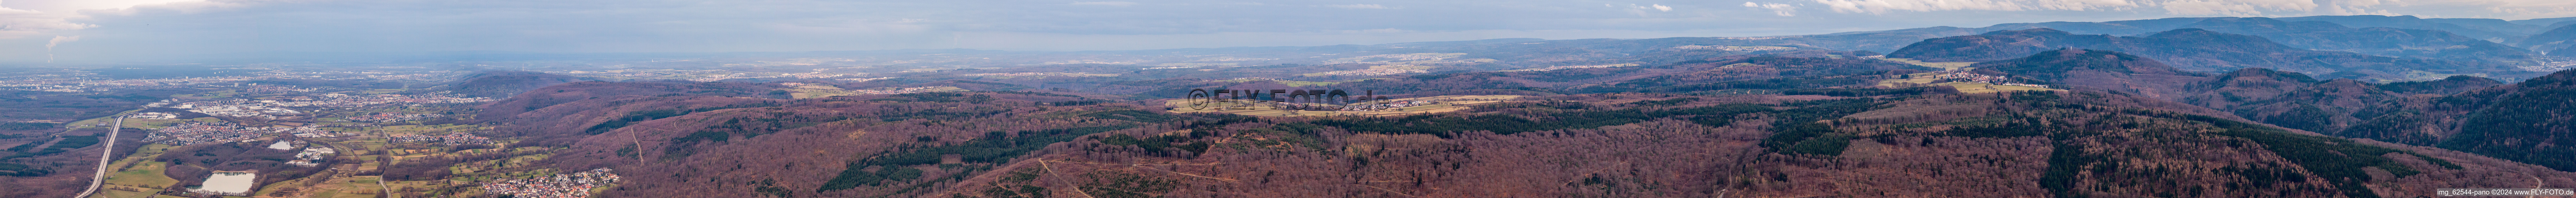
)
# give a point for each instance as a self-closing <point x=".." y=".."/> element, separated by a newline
<point x="1663" y="8"/>
<point x="16" y="23"/>
<point x="1776" y="9"/>
<point x="1360" y="6"/>
<point x="58" y="40"/>
<point x="1105" y="3"/>
<point x="1884" y="6"/>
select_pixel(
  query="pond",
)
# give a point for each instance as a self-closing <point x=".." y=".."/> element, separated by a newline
<point x="229" y="183"/>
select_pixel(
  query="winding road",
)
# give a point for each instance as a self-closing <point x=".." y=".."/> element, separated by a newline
<point x="105" y="156"/>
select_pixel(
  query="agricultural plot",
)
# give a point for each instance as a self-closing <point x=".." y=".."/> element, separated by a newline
<point x="1920" y="78"/>
<point x="136" y="176"/>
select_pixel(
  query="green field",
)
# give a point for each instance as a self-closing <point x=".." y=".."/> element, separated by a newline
<point x="148" y="173"/>
<point x="143" y="174"/>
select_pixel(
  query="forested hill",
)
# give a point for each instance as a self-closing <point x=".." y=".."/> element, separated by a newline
<point x="1014" y="144"/>
<point x="2525" y="121"/>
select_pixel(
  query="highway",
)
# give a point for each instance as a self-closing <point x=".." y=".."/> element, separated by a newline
<point x="105" y="155"/>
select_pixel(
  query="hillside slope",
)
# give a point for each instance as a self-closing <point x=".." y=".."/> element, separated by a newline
<point x="2032" y="143"/>
<point x="996" y="144"/>
<point x="2094" y="70"/>
<point x="2525" y="121"/>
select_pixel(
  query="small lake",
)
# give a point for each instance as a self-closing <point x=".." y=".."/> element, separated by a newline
<point x="281" y="145"/>
<point x="231" y="183"/>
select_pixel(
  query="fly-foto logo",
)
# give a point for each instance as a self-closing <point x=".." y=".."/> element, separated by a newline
<point x="1288" y="99"/>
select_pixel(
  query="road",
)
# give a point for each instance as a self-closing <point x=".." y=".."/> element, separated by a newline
<point x="105" y="155"/>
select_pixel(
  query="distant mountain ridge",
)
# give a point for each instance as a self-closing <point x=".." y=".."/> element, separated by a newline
<point x="2190" y="49"/>
<point x="2380" y="41"/>
<point x="503" y="84"/>
<point x="2382" y="37"/>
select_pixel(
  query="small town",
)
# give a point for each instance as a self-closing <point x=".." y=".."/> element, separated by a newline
<point x="275" y="107"/>
<point x="1734" y="48"/>
<point x="575" y="185"/>
<point x="1392" y="58"/>
<point x="1574" y="67"/>
<point x="1367" y="72"/>
<point x="303" y="132"/>
<point x="59" y="83"/>
<point x="1972" y="77"/>
<point x="345" y="100"/>
<point x="312" y="131"/>
<point x="192" y="133"/>
<point x="392" y="117"/>
<point x="239" y="108"/>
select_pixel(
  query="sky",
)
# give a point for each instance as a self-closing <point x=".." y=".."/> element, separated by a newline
<point x="94" y="31"/>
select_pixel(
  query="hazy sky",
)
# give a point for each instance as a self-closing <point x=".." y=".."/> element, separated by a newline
<point x="116" y="30"/>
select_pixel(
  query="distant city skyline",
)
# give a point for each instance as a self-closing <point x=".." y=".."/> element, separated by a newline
<point x="92" y="31"/>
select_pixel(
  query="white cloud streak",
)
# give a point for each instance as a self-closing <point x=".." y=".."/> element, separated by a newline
<point x="1776" y="8"/>
<point x="58" y="40"/>
<point x="1884" y="6"/>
